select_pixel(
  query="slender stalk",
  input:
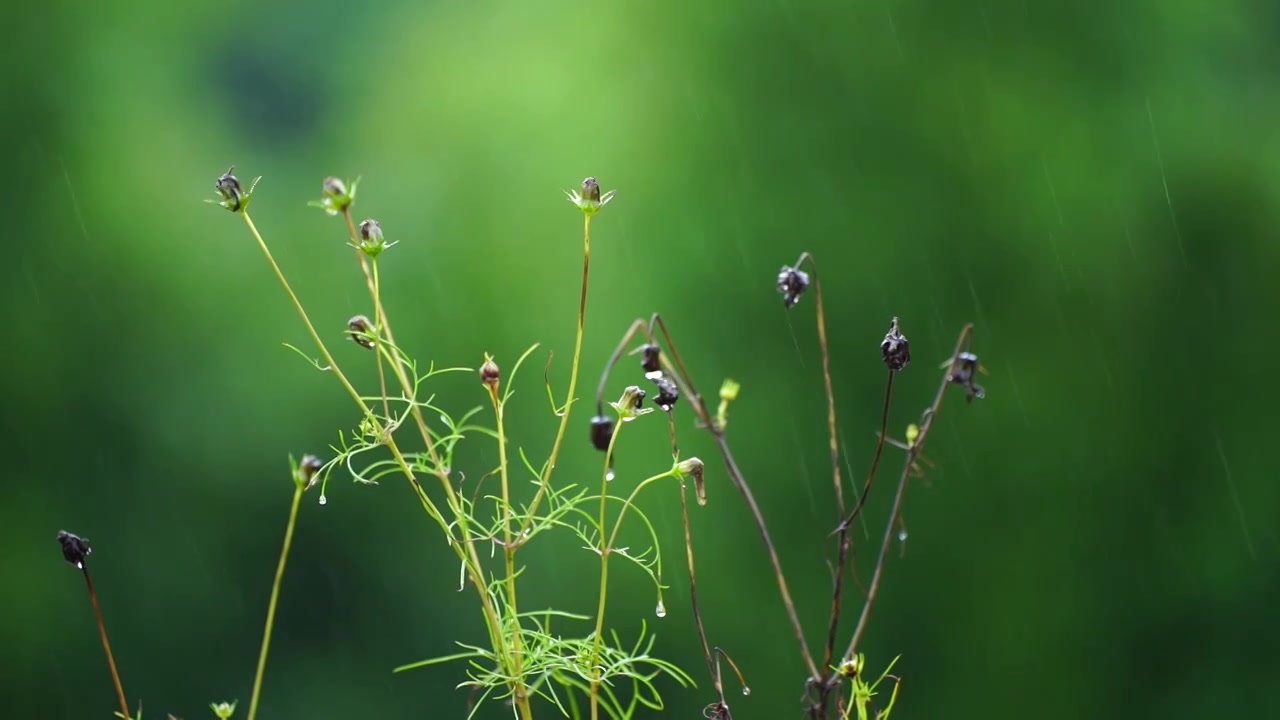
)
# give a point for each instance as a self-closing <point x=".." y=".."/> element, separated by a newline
<point x="926" y="424"/>
<point x="465" y="549"/>
<point x="275" y="597"/>
<point x="693" y="592"/>
<point x="106" y="644"/>
<point x="826" y="379"/>
<point x="842" y="554"/>
<point x="379" y="322"/>
<point x="545" y="480"/>
<point x="605" y="549"/>
<point x="508" y="552"/>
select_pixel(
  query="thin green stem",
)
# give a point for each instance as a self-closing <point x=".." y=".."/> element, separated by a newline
<point x="508" y="552"/>
<point x="275" y="597"/>
<point x="545" y="483"/>
<point x="605" y="548"/>
<point x="379" y="322"/>
<point x="469" y="557"/>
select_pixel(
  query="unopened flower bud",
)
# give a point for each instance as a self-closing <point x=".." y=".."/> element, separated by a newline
<point x="74" y="548"/>
<point x="589" y="199"/>
<point x="489" y="373"/>
<point x="335" y="188"/>
<point x="894" y="348"/>
<point x="649" y="358"/>
<point x="792" y="283"/>
<point x="601" y="432"/>
<point x="223" y="711"/>
<point x="361" y="331"/>
<point x="371" y="231"/>
<point x="693" y="466"/>
<point x="308" y="471"/>
<point x="234" y="197"/>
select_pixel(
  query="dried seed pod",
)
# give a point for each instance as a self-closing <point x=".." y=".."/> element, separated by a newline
<point x="964" y="369"/>
<point x="601" y="432"/>
<point x="228" y="186"/>
<point x="649" y="358"/>
<point x="668" y="391"/>
<point x="74" y="548"/>
<point x="792" y="283"/>
<point x="371" y="231"/>
<point x="894" y="348"/>
<point x="694" y="467"/>
<point x="335" y="189"/>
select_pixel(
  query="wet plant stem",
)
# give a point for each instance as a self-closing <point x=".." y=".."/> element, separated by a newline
<point x="845" y="541"/>
<point x="106" y="644"/>
<point x="604" y="550"/>
<point x="275" y="597"/>
<point x="464" y="548"/>
<point x="379" y="322"/>
<point x="509" y="552"/>
<point x="545" y="480"/>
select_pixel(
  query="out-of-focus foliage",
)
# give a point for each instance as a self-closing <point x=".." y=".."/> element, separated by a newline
<point x="1093" y="183"/>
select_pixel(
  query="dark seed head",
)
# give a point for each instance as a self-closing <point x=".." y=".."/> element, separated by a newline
<point x="668" y="391"/>
<point x="964" y="371"/>
<point x="894" y="348"/>
<point x="74" y="548"/>
<point x="792" y="283"/>
<point x="649" y="358"/>
<point x="489" y="373"/>
<point x="591" y="190"/>
<point x="601" y="432"/>
<point x="361" y="331"/>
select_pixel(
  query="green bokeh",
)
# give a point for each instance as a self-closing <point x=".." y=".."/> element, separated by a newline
<point x="1093" y="184"/>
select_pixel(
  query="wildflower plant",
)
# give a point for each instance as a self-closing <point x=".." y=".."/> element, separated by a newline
<point x="573" y="664"/>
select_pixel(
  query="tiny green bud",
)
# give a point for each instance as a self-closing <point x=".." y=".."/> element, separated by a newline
<point x="335" y="188"/>
<point x="371" y="240"/>
<point x="336" y="198"/>
<point x="589" y="199"/>
<point x="693" y="466"/>
<point x="224" y="710"/>
<point x="489" y="372"/>
<point x="629" y="405"/>
<point x="361" y="331"/>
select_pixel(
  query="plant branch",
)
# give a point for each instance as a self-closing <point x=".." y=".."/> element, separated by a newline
<point x="275" y="597"/>
<point x="826" y="379"/>
<point x="106" y="644"/>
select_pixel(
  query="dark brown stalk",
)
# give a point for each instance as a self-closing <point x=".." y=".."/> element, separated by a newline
<point x="106" y="644"/>
<point x="704" y="415"/>
<point x="845" y="541"/>
<point x="930" y="414"/>
<point x="826" y="379"/>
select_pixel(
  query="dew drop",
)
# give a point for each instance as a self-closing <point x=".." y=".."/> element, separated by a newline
<point x="902" y="535"/>
<point x="609" y="475"/>
<point x="80" y="566"/>
<point x="661" y="610"/>
<point x="746" y="690"/>
<point x="324" y="500"/>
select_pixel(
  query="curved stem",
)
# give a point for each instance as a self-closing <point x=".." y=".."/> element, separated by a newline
<point x="275" y="597"/>
<point x="545" y="481"/>
<point x="379" y="322"/>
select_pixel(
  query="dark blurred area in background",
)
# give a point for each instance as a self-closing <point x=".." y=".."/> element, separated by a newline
<point x="1093" y="184"/>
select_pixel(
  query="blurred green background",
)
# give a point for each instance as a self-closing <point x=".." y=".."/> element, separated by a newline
<point x="1092" y="183"/>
